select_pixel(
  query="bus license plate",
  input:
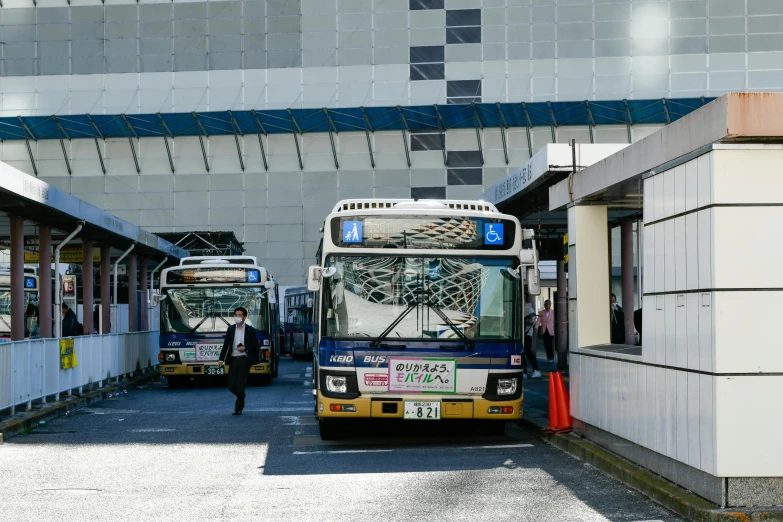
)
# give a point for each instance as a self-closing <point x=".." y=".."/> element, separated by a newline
<point x="213" y="370"/>
<point x="422" y="410"/>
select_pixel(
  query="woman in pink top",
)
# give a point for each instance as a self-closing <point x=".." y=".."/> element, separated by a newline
<point x="546" y="329"/>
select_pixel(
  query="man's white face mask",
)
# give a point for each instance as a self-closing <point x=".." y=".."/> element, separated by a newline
<point x="238" y="320"/>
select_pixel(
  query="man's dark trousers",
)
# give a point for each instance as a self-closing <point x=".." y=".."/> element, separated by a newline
<point x="238" y="374"/>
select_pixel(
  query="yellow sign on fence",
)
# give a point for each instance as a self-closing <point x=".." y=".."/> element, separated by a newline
<point x="67" y="354"/>
<point x="67" y="255"/>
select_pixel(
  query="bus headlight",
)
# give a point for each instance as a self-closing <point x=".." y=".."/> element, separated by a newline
<point x="336" y="384"/>
<point x="170" y="357"/>
<point x="507" y="386"/>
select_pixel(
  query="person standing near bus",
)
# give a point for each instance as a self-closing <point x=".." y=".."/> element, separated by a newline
<point x="240" y="351"/>
<point x="546" y="327"/>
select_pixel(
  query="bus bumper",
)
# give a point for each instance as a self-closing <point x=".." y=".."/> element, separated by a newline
<point x="197" y="370"/>
<point x="381" y="407"/>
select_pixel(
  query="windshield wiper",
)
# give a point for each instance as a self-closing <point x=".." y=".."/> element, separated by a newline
<point x="375" y="342"/>
<point x="451" y="325"/>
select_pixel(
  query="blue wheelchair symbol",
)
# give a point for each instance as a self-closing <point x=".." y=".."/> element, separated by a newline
<point x="253" y="276"/>
<point x="352" y="231"/>
<point x="493" y="233"/>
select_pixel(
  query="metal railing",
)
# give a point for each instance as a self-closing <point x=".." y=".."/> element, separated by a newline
<point x="31" y="370"/>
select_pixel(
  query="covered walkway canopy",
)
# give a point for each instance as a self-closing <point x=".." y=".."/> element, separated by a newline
<point x="35" y="217"/>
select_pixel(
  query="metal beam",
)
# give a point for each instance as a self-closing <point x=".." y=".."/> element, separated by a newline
<point x="528" y="125"/>
<point x="367" y="129"/>
<point x="503" y="127"/>
<point x="554" y="121"/>
<point x="331" y="137"/>
<point x="296" y="140"/>
<point x="62" y="143"/>
<point x="629" y="121"/>
<point x="590" y="121"/>
<point x="97" y="132"/>
<point x="666" y="111"/>
<point x="27" y="142"/>
<point x="260" y="140"/>
<point x="479" y="126"/>
<point x="442" y="127"/>
<point x="201" y="139"/>
<point x="405" y="136"/>
<point x="235" y="125"/>
<point x="166" y="141"/>
<point x="132" y="146"/>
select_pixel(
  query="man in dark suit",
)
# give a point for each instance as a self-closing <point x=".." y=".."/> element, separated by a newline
<point x="240" y="351"/>
<point x="70" y="325"/>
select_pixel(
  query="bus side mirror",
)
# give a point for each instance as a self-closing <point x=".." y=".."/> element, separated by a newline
<point x="533" y="281"/>
<point x="156" y="298"/>
<point x="269" y="285"/>
<point x="314" y="278"/>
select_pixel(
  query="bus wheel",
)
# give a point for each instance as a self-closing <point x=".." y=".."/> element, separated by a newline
<point x="265" y="379"/>
<point x="329" y="429"/>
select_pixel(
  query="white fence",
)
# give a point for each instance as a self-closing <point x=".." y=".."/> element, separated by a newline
<point x="31" y="370"/>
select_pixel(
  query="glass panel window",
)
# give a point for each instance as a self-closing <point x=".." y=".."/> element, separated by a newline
<point x="368" y="294"/>
<point x="211" y="309"/>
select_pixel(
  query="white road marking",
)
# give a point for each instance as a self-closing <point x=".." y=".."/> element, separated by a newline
<point x="152" y="430"/>
<point x="500" y="446"/>
<point x="307" y="383"/>
<point x="340" y="452"/>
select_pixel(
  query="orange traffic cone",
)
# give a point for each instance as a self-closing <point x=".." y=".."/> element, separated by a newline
<point x="553" y="413"/>
<point x="564" y="421"/>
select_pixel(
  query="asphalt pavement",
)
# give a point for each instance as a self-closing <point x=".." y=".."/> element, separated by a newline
<point x="178" y="454"/>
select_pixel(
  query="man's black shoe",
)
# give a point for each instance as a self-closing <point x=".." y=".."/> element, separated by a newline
<point x="237" y="412"/>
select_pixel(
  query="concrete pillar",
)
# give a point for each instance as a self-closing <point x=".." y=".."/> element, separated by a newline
<point x="17" y="278"/>
<point x="88" y="288"/>
<point x="45" y="281"/>
<point x="105" y="289"/>
<point x="626" y="272"/>
<point x="143" y="286"/>
<point x="133" y="286"/>
<point x="588" y="239"/>
<point x="561" y="317"/>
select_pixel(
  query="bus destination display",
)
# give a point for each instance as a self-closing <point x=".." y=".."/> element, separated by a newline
<point x="189" y="276"/>
<point x="464" y="233"/>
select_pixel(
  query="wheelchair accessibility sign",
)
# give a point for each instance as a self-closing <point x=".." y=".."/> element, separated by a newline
<point x="493" y="233"/>
<point x="352" y="231"/>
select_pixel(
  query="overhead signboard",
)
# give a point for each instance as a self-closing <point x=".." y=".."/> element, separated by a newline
<point x="551" y="159"/>
<point x="67" y="255"/>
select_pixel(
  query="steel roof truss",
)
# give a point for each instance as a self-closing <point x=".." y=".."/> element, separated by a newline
<point x="201" y="140"/>
<point x="166" y="140"/>
<point x="296" y="140"/>
<point x="479" y="126"/>
<point x="503" y="128"/>
<point x="367" y="129"/>
<point x="260" y="139"/>
<point x="331" y="138"/>
<point x="132" y="132"/>
<point x="235" y="127"/>
<point x="95" y="133"/>
<point x="405" y="129"/>
<point x="27" y="142"/>
<point x="62" y="144"/>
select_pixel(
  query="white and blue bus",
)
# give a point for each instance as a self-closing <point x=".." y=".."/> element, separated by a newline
<point x="418" y="312"/>
<point x="298" y="322"/>
<point x="197" y="302"/>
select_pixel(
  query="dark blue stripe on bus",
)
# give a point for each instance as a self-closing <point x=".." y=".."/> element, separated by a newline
<point x="358" y="354"/>
<point x="183" y="340"/>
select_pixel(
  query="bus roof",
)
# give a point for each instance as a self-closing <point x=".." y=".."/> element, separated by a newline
<point x="412" y="204"/>
<point x="216" y="260"/>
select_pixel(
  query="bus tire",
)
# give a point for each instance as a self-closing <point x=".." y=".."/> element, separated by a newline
<point x="330" y="430"/>
<point x="265" y="380"/>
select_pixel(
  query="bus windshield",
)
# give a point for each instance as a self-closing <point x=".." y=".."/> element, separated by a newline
<point x="211" y="309"/>
<point x="368" y="294"/>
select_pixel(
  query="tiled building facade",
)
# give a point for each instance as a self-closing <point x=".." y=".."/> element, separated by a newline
<point x="177" y="57"/>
